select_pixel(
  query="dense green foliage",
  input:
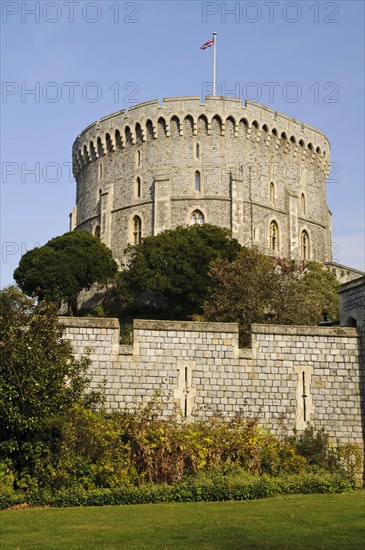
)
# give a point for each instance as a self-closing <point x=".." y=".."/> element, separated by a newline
<point x="255" y="288"/>
<point x="39" y="379"/>
<point x="219" y="485"/>
<point x="12" y="297"/>
<point x="190" y="271"/>
<point x="133" y="458"/>
<point x="64" y="266"/>
<point x="170" y="270"/>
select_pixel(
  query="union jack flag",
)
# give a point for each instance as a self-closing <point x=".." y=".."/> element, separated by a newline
<point x="207" y="44"/>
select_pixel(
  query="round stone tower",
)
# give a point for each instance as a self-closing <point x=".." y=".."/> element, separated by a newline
<point x="259" y="173"/>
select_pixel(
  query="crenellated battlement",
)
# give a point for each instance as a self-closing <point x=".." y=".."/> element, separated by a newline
<point x="262" y="125"/>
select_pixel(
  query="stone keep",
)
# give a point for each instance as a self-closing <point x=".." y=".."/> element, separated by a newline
<point x="258" y="173"/>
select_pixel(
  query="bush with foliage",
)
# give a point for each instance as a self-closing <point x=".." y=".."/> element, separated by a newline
<point x="40" y="381"/>
<point x="219" y="485"/>
<point x="64" y="266"/>
<point x="98" y="450"/>
<point x="127" y="458"/>
<point x="170" y="270"/>
<point x="255" y="288"/>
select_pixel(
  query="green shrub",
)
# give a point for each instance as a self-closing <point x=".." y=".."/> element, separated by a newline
<point x="89" y="450"/>
<point x="7" y="476"/>
<point x="315" y="446"/>
<point x="213" y="486"/>
<point x="91" y="453"/>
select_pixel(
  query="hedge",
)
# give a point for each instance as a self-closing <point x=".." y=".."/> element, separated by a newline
<point x="198" y="488"/>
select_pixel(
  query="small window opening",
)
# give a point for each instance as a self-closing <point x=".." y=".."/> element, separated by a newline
<point x="197" y="217"/>
<point x="197" y="181"/>
<point x="137" y="230"/>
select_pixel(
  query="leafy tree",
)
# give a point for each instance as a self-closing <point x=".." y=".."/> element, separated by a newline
<point x="39" y="378"/>
<point x="12" y="297"/>
<point x="320" y="288"/>
<point x="259" y="289"/>
<point x="64" y="266"/>
<point x="171" y="269"/>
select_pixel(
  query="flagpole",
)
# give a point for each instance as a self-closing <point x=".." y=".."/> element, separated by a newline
<point x="214" y="62"/>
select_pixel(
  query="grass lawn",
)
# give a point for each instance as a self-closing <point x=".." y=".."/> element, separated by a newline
<point x="303" y="521"/>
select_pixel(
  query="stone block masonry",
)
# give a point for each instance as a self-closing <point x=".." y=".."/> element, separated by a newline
<point x="291" y="375"/>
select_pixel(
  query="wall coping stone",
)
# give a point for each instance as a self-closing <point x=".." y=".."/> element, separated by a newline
<point x="89" y="322"/>
<point x="185" y="326"/>
<point x="352" y="284"/>
<point x="192" y="326"/>
<point x="304" y="330"/>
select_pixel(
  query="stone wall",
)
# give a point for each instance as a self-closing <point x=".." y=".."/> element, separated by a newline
<point x="290" y="376"/>
<point x="343" y="274"/>
<point x="352" y="304"/>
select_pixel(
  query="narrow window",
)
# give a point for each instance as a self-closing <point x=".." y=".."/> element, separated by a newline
<point x="197" y="217"/>
<point x="302" y="204"/>
<point x="137" y="230"/>
<point x="304" y="397"/>
<point x="138" y="158"/>
<point x="274" y="237"/>
<point x="138" y="188"/>
<point x="197" y="181"/>
<point x="272" y="193"/>
<point x="97" y="231"/>
<point x="197" y="151"/>
<point x="99" y="202"/>
<point x="100" y="171"/>
<point x="304" y="402"/>
<point x="186" y="393"/>
<point x="304" y="245"/>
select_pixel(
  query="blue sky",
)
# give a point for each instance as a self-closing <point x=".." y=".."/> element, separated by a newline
<point x="84" y="60"/>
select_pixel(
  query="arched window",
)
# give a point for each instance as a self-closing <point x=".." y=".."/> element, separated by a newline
<point x="197" y="181"/>
<point x="128" y="136"/>
<point x="197" y="151"/>
<point x="272" y="193"/>
<point x="149" y="130"/>
<point x="97" y="231"/>
<point x="118" y="141"/>
<point x="197" y="217"/>
<point x="99" y="147"/>
<point x="137" y="230"/>
<point x="138" y="188"/>
<point x="92" y="151"/>
<point x="274" y="237"/>
<point x="108" y="142"/>
<point x="302" y="204"/>
<point x="139" y="136"/>
<point x="304" y="245"/>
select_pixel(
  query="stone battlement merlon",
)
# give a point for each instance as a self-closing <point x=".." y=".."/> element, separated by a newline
<point x="210" y="101"/>
<point x="101" y="137"/>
